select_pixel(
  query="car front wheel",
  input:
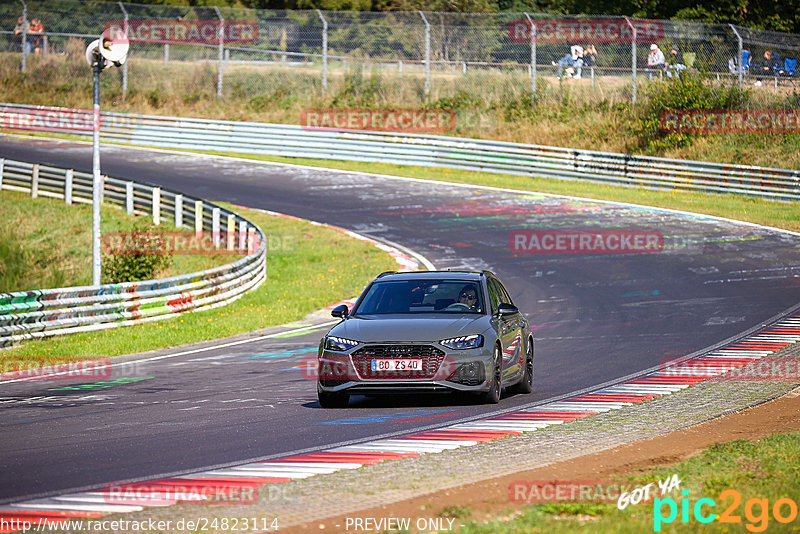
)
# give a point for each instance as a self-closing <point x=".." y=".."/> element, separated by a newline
<point x="332" y="400"/>
<point x="493" y="395"/>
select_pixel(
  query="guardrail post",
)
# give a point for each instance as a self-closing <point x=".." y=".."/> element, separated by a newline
<point x="324" y="53"/>
<point x="68" y="186"/>
<point x="400" y="67"/>
<point x="251" y="240"/>
<point x="633" y="58"/>
<point x="215" y="226"/>
<point x="178" y="210"/>
<point x="129" y="198"/>
<point x="242" y="234"/>
<point x="231" y="241"/>
<point x="35" y="181"/>
<point x="533" y="58"/>
<point x="24" y="35"/>
<point x="221" y="52"/>
<point x="124" y="65"/>
<point x="198" y="218"/>
<point x="427" y="54"/>
<point x="157" y="206"/>
<point x="2" y="165"/>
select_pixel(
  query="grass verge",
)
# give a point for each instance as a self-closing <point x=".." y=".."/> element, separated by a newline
<point x="308" y="267"/>
<point x="761" y="473"/>
<point x="48" y="244"/>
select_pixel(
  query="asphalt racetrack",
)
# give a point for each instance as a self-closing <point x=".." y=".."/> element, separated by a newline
<point x="596" y="317"/>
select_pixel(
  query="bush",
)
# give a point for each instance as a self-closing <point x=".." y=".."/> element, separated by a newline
<point x="120" y="268"/>
<point x="691" y="91"/>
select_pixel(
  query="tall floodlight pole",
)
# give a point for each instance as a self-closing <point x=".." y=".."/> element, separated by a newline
<point x="110" y="49"/>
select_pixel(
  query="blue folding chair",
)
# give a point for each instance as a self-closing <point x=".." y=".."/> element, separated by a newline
<point x="745" y="60"/>
<point x="789" y="68"/>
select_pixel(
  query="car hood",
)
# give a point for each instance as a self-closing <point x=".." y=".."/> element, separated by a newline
<point x="429" y="328"/>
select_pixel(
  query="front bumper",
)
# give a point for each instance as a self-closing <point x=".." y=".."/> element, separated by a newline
<point x="463" y="370"/>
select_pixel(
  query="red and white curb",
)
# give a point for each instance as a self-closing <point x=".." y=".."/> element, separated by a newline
<point x="219" y="484"/>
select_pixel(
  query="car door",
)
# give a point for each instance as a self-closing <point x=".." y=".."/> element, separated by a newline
<point x="509" y="329"/>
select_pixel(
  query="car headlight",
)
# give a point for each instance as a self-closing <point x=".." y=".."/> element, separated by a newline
<point x="339" y="344"/>
<point x="463" y="342"/>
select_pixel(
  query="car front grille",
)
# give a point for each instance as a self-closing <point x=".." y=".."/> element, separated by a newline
<point x="431" y="360"/>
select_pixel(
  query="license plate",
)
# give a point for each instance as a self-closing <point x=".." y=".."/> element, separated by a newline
<point x="397" y="365"/>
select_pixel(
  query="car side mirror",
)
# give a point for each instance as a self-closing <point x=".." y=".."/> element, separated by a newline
<point x="507" y="309"/>
<point x="340" y="311"/>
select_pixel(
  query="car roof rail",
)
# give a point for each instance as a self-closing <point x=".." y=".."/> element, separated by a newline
<point x="384" y="273"/>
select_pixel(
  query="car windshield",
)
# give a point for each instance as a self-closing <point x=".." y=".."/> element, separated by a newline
<point x="422" y="296"/>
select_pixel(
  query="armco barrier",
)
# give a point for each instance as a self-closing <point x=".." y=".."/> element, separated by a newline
<point x="49" y="312"/>
<point x="424" y="150"/>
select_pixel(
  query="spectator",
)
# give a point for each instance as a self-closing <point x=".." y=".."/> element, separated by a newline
<point x="23" y="27"/>
<point x="676" y="64"/>
<point x="36" y="32"/>
<point x="770" y="65"/>
<point x="655" y="60"/>
<point x="590" y="56"/>
<point x="573" y="59"/>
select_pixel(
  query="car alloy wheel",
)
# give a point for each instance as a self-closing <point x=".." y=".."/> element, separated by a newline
<point x="493" y="395"/>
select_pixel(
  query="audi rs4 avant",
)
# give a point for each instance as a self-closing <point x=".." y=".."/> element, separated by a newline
<point x="421" y="332"/>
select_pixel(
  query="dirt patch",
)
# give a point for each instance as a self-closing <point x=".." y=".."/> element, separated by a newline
<point x="490" y="498"/>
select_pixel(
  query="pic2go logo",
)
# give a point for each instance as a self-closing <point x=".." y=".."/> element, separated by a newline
<point x="756" y="511"/>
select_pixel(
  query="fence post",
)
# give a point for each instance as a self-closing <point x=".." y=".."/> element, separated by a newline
<point x="166" y="54"/>
<point x="324" y="53"/>
<point x="533" y="59"/>
<point x="427" y="54"/>
<point x="129" y="198"/>
<point x="633" y="58"/>
<point x="24" y="35"/>
<point x="68" y="187"/>
<point x="739" y="61"/>
<point x="215" y="226"/>
<point x="221" y="52"/>
<point x="35" y="181"/>
<point x="2" y="165"/>
<point x="178" y="210"/>
<point x="124" y="65"/>
<point x="157" y="206"/>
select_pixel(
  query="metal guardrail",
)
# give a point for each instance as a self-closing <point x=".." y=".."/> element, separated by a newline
<point x="426" y="150"/>
<point x="49" y="312"/>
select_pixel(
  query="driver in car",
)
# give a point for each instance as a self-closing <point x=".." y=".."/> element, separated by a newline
<point x="468" y="296"/>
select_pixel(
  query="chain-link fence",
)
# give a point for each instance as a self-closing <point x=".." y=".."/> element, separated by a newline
<point x="418" y="58"/>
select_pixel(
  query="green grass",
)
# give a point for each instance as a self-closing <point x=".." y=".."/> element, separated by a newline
<point x="48" y="244"/>
<point x="487" y="104"/>
<point x="765" y="469"/>
<point x="308" y="267"/>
